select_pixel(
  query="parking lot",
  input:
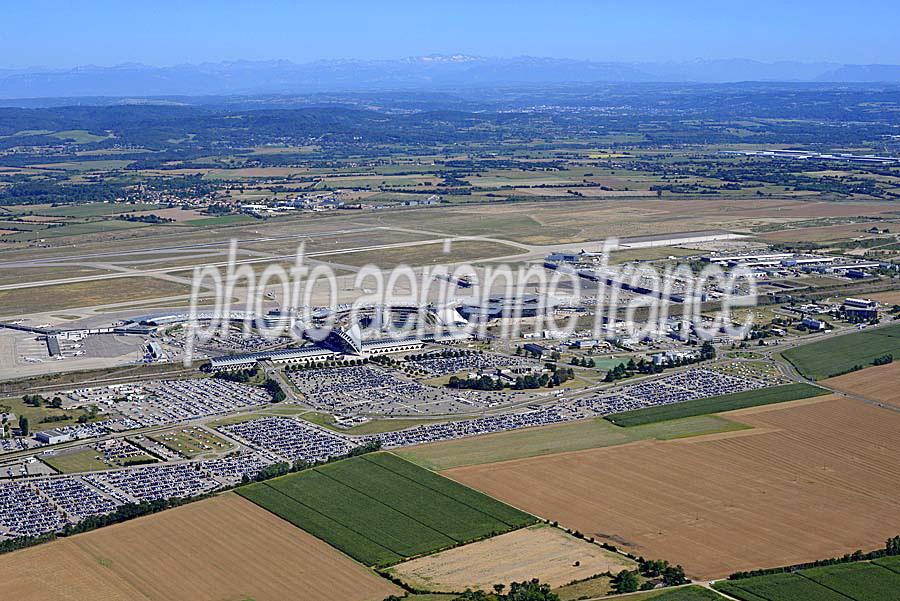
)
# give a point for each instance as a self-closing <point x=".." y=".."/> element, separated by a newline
<point x="373" y="390"/>
<point x="444" y="363"/>
<point x="291" y="439"/>
<point x="41" y="504"/>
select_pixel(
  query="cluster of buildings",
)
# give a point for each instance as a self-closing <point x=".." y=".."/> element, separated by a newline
<point x="854" y="310"/>
<point x="773" y="263"/>
<point x="373" y="334"/>
<point x="861" y="309"/>
<point x="322" y="201"/>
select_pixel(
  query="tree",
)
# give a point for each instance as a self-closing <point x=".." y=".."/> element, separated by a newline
<point x="529" y="591"/>
<point x="653" y="567"/>
<point x="673" y="576"/>
<point x="23" y="425"/>
<point x="32" y="399"/>
<point x="625" y="581"/>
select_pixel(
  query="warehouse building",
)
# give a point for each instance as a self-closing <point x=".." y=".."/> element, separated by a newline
<point x="860" y="308"/>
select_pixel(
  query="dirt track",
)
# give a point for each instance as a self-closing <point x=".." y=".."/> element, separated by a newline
<point x="817" y="479"/>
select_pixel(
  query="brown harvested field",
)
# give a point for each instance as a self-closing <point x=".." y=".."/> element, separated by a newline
<point x="889" y="298"/>
<point x="878" y="383"/>
<point x="540" y="551"/>
<point x="220" y="549"/>
<point x="816" y="478"/>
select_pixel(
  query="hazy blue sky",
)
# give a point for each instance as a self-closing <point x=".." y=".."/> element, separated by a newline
<point x="164" y="32"/>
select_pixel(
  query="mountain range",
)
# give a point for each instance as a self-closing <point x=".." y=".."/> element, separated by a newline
<point x="426" y="72"/>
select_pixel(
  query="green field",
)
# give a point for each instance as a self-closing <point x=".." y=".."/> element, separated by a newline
<point x="608" y="363"/>
<point x="778" y="587"/>
<point x="97" y="165"/>
<point x="380" y="509"/>
<point x="840" y="354"/>
<point x="84" y="460"/>
<point x="192" y="442"/>
<point x="891" y="563"/>
<point x="79" y="136"/>
<point x="687" y="593"/>
<point x="575" y="436"/>
<point x="90" y="209"/>
<point x="76" y="229"/>
<point x="716" y="404"/>
<point x="222" y="220"/>
<point x="36" y="415"/>
<point x="860" y="581"/>
<point x="90" y="460"/>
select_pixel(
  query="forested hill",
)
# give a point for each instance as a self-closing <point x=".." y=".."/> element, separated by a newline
<point x="664" y="114"/>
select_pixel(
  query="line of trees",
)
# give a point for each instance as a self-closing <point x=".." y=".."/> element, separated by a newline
<point x="443" y="354"/>
<point x="527" y="590"/>
<point x="151" y="218"/>
<point x="883" y="360"/>
<point x="335" y="363"/>
<point x="880" y="360"/>
<point x="891" y="548"/>
<point x="284" y="468"/>
<point x="556" y="377"/>
<point x="125" y="512"/>
<point x="623" y="370"/>
<point x="656" y="571"/>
